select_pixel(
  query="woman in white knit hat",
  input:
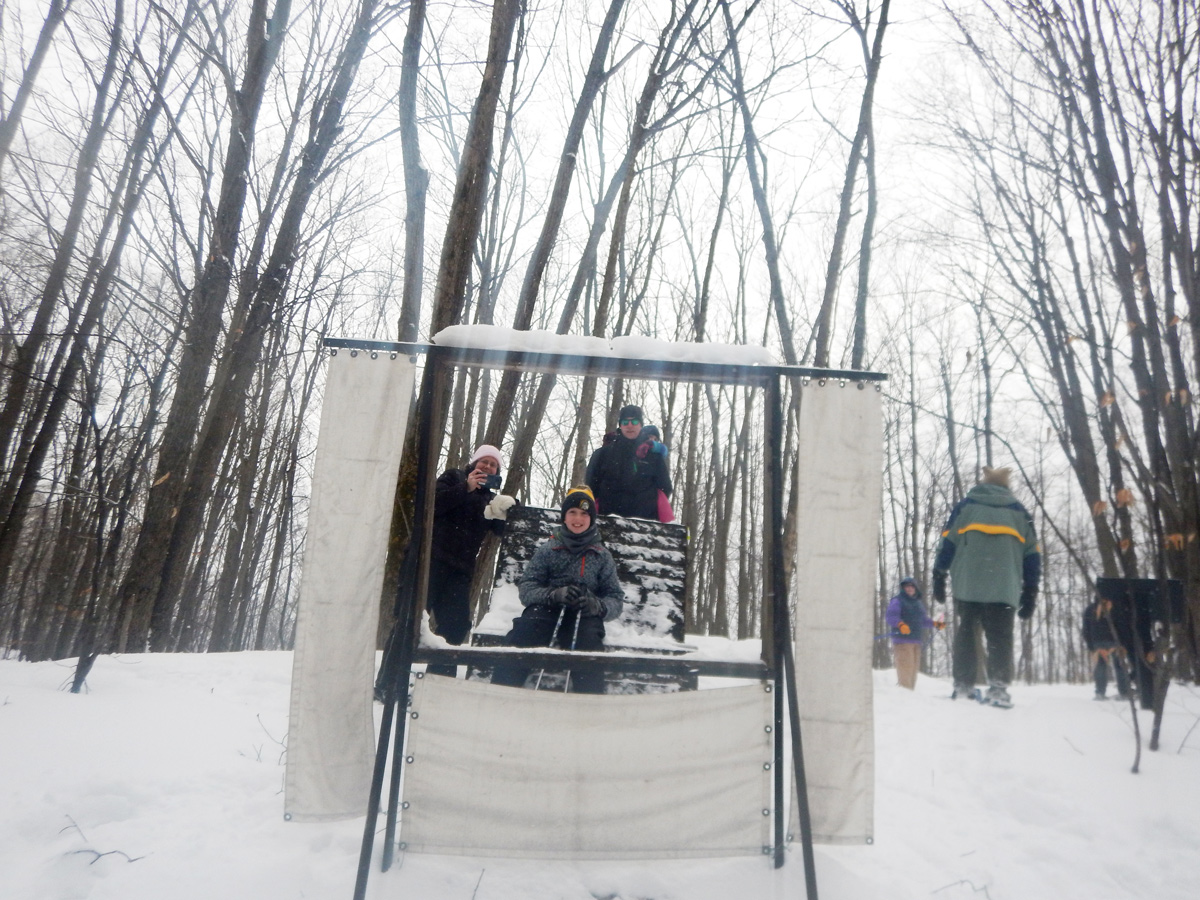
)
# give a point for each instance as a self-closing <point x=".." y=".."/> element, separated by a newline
<point x="466" y="507"/>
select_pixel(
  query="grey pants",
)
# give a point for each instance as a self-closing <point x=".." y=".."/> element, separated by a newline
<point x="996" y="622"/>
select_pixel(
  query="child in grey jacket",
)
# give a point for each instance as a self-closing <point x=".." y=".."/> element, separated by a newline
<point x="569" y="589"/>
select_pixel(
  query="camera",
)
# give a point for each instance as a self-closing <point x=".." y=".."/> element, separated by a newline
<point x="493" y="482"/>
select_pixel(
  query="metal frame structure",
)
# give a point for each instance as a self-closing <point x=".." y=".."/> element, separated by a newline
<point x="777" y="667"/>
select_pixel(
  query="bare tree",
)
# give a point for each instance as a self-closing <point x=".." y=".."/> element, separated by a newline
<point x="11" y="121"/>
<point x="416" y="176"/>
<point x="141" y="592"/>
<point x="857" y="145"/>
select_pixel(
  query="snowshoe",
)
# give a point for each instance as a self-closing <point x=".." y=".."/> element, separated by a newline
<point x="997" y="697"/>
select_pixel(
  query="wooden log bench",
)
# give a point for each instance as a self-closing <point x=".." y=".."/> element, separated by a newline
<point x="651" y="560"/>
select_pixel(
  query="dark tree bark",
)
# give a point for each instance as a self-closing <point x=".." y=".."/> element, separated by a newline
<point x="416" y="176"/>
<point x="139" y="167"/>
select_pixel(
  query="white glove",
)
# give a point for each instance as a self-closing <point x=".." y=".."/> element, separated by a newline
<point x="499" y="507"/>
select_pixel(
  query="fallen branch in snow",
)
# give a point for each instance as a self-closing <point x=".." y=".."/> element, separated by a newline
<point x="259" y="748"/>
<point x="1072" y="746"/>
<point x="970" y="884"/>
<point x="1184" y="686"/>
<point x="1183" y="743"/>
<point x="97" y="855"/>
<point x="282" y="743"/>
<point x="74" y="825"/>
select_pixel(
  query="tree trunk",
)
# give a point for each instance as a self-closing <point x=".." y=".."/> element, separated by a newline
<point x="8" y="124"/>
<point x="416" y="176"/>
<point x="834" y="270"/>
<point x="142" y="596"/>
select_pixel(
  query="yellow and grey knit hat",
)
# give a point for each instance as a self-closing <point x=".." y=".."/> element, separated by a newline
<point x="579" y="497"/>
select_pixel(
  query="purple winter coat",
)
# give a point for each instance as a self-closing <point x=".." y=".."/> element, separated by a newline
<point x="909" y="610"/>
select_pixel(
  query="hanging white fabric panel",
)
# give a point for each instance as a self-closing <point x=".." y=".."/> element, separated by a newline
<point x="499" y="771"/>
<point x="331" y="738"/>
<point x="833" y="591"/>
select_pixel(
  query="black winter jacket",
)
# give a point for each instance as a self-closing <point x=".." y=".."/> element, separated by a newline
<point x="626" y="483"/>
<point x="458" y="523"/>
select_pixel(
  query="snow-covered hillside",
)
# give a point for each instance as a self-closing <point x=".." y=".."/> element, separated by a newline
<point x="164" y="782"/>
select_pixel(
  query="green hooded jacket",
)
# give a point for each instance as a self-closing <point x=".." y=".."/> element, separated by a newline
<point x="990" y="548"/>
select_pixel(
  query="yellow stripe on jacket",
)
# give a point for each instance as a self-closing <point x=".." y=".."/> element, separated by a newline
<point x="992" y="529"/>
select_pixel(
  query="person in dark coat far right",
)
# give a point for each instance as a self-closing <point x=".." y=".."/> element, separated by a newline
<point x="1100" y="638"/>
<point x="629" y="470"/>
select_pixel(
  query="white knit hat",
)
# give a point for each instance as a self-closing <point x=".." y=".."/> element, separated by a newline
<point x="487" y="450"/>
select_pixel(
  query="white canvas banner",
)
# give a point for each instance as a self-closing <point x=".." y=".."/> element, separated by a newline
<point x="331" y="735"/>
<point x="833" y="592"/>
<point x="498" y="771"/>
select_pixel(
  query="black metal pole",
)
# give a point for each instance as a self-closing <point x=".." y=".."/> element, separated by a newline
<point x="784" y="659"/>
<point x="802" y="810"/>
<point x="428" y="447"/>
<point x="780" y="824"/>
<point x="368" y="840"/>
<point x="777" y="598"/>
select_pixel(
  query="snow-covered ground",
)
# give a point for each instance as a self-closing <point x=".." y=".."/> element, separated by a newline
<point x="164" y="782"/>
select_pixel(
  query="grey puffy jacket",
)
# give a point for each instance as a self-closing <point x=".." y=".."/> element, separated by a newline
<point x="553" y="566"/>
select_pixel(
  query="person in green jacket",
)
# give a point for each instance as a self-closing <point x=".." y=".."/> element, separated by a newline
<point x="991" y="553"/>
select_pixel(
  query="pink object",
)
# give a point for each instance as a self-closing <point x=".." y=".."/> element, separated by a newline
<point x="665" y="513"/>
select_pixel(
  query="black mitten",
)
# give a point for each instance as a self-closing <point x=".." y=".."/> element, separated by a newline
<point x="591" y="605"/>
<point x="1028" y="601"/>
<point x="939" y="585"/>
<point x="568" y="595"/>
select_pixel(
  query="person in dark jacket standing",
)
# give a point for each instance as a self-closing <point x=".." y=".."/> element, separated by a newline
<point x="569" y="589"/>
<point x="991" y="553"/>
<point x="465" y="509"/>
<point x="908" y="621"/>
<point x="1100" y="638"/>
<point x="629" y="470"/>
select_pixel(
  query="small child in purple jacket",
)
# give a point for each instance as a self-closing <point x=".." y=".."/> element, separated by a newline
<point x="908" y="620"/>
